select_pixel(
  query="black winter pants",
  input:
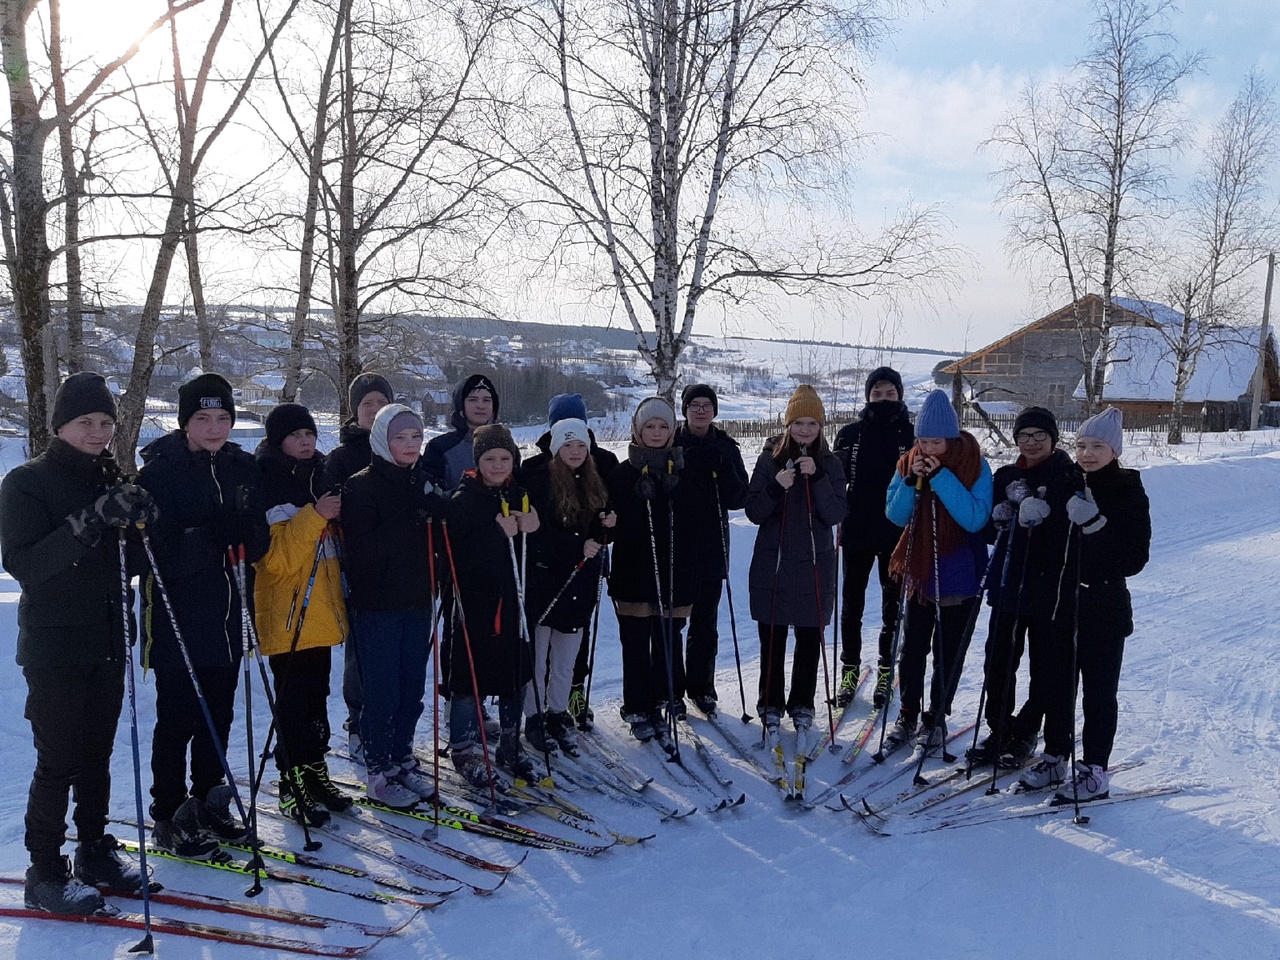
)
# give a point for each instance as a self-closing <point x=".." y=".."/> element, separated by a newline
<point x="804" y="668"/>
<point x="73" y="713"/>
<point x="644" y="663"/>
<point x="1007" y="637"/>
<point x="1098" y="660"/>
<point x="301" y="682"/>
<point x="948" y="646"/>
<point x="179" y="723"/>
<point x="858" y="561"/>
<point x="704" y="638"/>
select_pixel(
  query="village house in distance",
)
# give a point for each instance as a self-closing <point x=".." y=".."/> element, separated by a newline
<point x="1042" y="364"/>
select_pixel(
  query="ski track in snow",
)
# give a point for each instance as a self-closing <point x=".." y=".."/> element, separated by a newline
<point x="1187" y="876"/>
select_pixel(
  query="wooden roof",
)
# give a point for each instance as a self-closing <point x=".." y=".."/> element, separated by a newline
<point x="1057" y="315"/>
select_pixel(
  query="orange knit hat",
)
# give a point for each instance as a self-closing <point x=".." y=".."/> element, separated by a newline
<point x="805" y="403"/>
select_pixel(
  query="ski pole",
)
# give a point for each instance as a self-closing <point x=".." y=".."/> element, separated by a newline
<point x="517" y="570"/>
<point x="437" y="609"/>
<point x="728" y="586"/>
<point x="817" y="597"/>
<point x="191" y="669"/>
<point x="248" y="644"/>
<point x="275" y="729"/>
<point x="903" y="598"/>
<point x="1075" y="679"/>
<point x="146" y="944"/>
<point x="1003" y="539"/>
<point x="595" y="632"/>
<point x="1007" y="706"/>
<point x="937" y="690"/>
<point x="662" y="623"/>
<point x="471" y="660"/>
<point x="773" y="612"/>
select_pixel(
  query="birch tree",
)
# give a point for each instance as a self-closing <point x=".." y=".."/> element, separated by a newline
<point x="396" y="204"/>
<point x="694" y="147"/>
<point x="1084" y="167"/>
<point x="1228" y="226"/>
<point x="32" y="122"/>
<point x="193" y="138"/>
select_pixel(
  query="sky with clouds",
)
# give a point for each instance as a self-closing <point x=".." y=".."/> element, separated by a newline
<point x="946" y="77"/>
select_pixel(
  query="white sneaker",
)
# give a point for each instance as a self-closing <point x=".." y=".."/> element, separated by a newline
<point x="383" y="788"/>
<point x="1048" y="771"/>
<point x="1091" y="782"/>
<point x="413" y="777"/>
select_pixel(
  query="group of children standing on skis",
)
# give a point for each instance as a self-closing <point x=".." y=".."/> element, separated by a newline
<point x="360" y="546"/>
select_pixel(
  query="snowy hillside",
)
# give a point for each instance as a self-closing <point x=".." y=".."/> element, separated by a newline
<point x="1191" y="875"/>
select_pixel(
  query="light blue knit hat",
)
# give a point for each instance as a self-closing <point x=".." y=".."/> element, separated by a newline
<point x="1107" y="426"/>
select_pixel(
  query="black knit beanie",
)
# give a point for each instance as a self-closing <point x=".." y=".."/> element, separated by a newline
<point x="1037" y="418"/>
<point x="206" y="392"/>
<point x="697" y="391"/>
<point x="285" y="419"/>
<point x="79" y="394"/>
<point x="884" y="373"/>
<point x="366" y="384"/>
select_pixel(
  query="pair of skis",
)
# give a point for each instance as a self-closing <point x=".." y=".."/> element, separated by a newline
<point x="170" y="926"/>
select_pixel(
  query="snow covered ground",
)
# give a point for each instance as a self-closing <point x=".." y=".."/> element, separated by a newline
<point x="1189" y="876"/>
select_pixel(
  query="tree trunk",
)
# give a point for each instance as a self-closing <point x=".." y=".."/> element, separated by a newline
<point x="306" y="255"/>
<point x="347" y="314"/>
<point x="30" y="273"/>
<point x="204" y="328"/>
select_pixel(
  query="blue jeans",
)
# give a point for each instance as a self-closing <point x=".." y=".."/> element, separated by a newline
<point x="393" y="646"/>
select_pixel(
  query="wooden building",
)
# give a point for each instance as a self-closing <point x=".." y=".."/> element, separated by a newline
<point x="1039" y="364"/>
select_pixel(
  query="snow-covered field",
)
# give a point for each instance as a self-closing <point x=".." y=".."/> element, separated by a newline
<point x="1196" y="875"/>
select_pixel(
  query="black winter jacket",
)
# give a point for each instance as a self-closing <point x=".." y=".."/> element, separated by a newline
<point x="781" y="577"/>
<point x="1040" y="550"/>
<point x="352" y="454"/>
<point x="385" y="515"/>
<point x="1107" y="556"/>
<point x="488" y="602"/>
<point x="631" y="579"/>
<point x="713" y="469"/>
<point x="207" y="503"/>
<point x="69" y="612"/>
<point x="868" y="450"/>
<point x="554" y="553"/>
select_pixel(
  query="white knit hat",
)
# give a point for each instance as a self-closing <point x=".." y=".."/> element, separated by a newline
<point x="565" y="430"/>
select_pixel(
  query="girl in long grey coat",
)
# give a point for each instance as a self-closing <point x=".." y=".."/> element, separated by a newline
<point x="796" y="496"/>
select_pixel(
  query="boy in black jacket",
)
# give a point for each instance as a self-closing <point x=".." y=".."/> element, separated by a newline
<point x="59" y="520"/>
<point x="715" y="481"/>
<point x="869" y="449"/>
<point x="209" y="492"/>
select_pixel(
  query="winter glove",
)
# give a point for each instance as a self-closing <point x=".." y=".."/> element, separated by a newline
<point x="1003" y="514"/>
<point x="1033" y="510"/>
<point x="1082" y="510"/>
<point x="127" y="505"/>
<point x="87" y="524"/>
<point x="1017" y="491"/>
<point x="646" y="486"/>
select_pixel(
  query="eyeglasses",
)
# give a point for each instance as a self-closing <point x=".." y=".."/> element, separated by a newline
<point x="701" y="408"/>
<point x="1031" y="436"/>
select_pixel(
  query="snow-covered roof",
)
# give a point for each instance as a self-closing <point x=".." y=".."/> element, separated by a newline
<point x="1142" y="367"/>
<point x="1161" y="314"/>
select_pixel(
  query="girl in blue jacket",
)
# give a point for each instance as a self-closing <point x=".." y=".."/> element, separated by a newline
<point x="941" y="495"/>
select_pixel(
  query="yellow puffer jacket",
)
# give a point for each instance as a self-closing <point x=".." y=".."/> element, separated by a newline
<point x="281" y="585"/>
